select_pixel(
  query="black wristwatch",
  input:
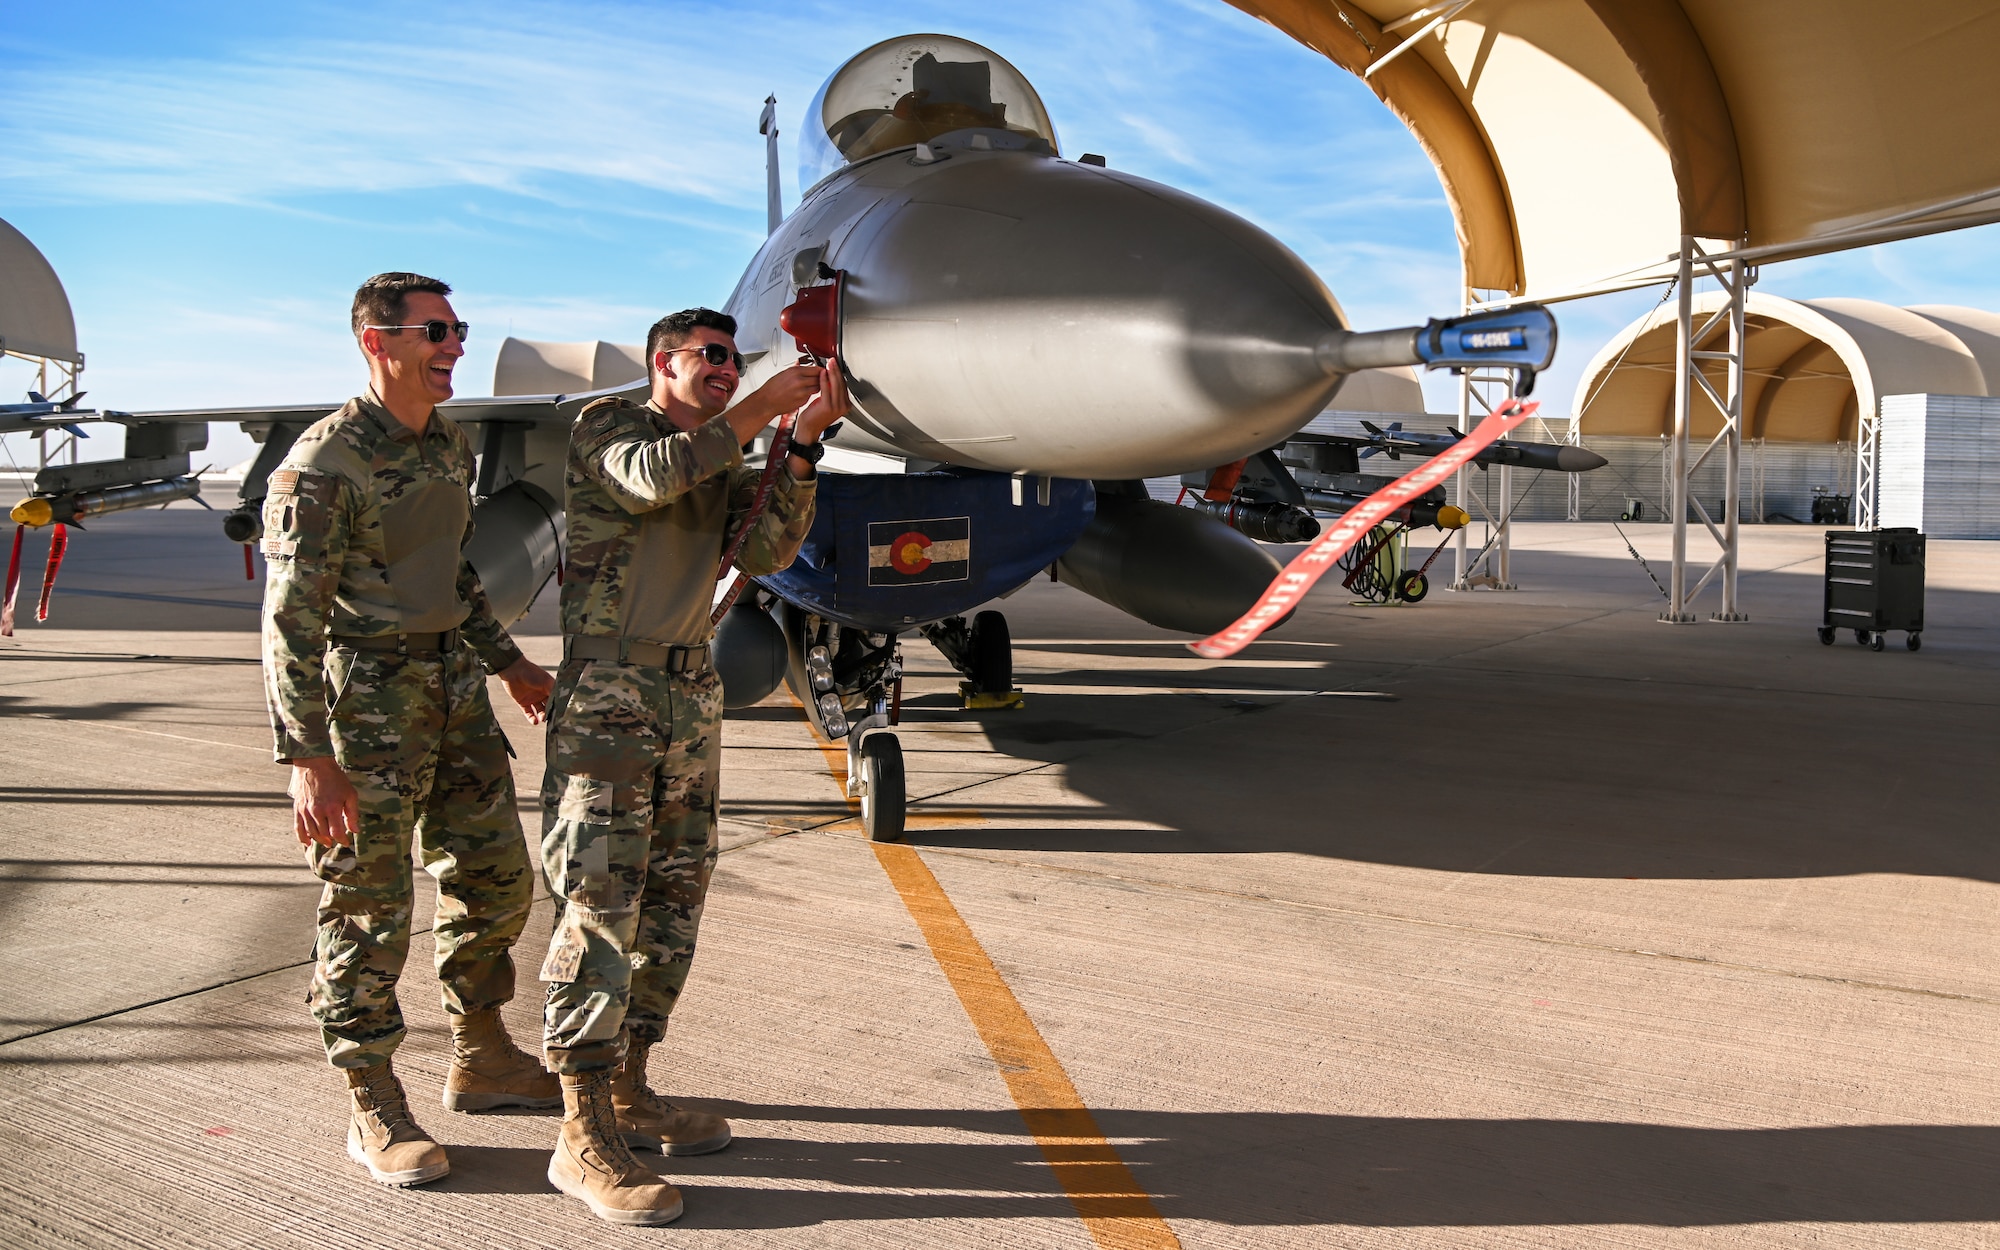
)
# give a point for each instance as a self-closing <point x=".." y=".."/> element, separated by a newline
<point x="809" y="452"/>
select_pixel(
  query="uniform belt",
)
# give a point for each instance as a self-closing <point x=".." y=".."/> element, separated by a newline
<point x="446" y="640"/>
<point x="673" y="658"/>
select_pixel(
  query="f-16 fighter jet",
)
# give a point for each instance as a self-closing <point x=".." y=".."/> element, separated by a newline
<point x="1026" y="337"/>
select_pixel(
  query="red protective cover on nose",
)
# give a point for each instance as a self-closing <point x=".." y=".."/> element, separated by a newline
<point x="813" y="319"/>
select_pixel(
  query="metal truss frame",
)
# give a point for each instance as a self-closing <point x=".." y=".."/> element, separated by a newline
<point x="1867" y="450"/>
<point x="1735" y="275"/>
<point x="55" y="380"/>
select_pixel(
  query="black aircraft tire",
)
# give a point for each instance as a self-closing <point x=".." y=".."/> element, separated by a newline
<point x="992" y="654"/>
<point x="1412" y="587"/>
<point x="883" y="798"/>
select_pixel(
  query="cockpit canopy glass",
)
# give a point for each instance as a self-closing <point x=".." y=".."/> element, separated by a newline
<point x="911" y="90"/>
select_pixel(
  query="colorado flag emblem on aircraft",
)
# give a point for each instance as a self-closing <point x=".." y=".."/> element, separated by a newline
<point x="912" y="553"/>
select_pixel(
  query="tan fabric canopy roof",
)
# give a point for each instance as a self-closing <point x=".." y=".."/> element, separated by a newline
<point x="1811" y="366"/>
<point x="35" y="317"/>
<point x="526" y="367"/>
<point x="1578" y="139"/>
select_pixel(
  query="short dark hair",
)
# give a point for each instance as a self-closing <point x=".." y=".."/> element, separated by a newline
<point x="672" y="330"/>
<point x="382" y="301"/>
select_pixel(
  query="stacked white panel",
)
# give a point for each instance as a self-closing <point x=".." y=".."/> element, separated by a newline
<point x="1938" y="467"/>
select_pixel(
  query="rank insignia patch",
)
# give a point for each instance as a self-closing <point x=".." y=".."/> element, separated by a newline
<point x="913" y="553"/>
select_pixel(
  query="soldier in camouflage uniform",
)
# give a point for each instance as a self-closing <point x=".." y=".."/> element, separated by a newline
<point x="635" y="731"/>
<point x="377" y="642"/>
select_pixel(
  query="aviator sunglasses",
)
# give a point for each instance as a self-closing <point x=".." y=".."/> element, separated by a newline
<point x="715" y="354"/>
<point x="433" y="330"/>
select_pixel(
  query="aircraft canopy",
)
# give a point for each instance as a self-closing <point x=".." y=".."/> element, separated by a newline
<point x="909" y="90"/>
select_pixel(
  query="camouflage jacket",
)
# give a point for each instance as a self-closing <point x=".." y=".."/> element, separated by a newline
<point x="649" y="509"/>
<point x="364" y="528"/>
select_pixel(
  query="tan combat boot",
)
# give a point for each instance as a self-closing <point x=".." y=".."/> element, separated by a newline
<point x="382" y="1137"/>
<point x="650" y="1122"/>
<point x="593" y="1165"/>
<point x="488" y="1071"/>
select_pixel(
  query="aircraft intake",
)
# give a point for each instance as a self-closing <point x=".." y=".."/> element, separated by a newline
<point x="516" y="535"/>
<point x="1168" y="566"/>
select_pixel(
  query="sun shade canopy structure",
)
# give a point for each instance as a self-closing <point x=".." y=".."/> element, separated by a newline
<point x="35" y="318"/>
<point x="1578" y="140"/>
<point x="1810" y="367"/>
<point x="527" y="367"/>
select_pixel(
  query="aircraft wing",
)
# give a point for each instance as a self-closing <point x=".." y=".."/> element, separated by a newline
<point x="532" y="409"/>
<point x="527" y="408"/>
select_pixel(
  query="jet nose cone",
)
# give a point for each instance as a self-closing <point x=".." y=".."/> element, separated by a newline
<point x="1579" y="460"/>
<point x="1021" y="313"/>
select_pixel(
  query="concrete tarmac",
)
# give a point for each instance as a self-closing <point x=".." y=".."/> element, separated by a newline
<point x="1504" y="919"/>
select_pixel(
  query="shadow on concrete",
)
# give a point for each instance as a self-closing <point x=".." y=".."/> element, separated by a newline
<point x="16" y="705"/>
<point x="1567" y="774"/>
<point x="1274" y="1169"/>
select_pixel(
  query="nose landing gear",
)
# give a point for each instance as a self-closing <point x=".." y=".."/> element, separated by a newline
<point x="875" y="775"/>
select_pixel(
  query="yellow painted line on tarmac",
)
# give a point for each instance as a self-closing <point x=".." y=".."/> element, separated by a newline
<point x="1114" y="1207"/>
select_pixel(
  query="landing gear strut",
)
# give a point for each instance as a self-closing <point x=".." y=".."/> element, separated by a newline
<point x="983" y="653"/>
<point x="851" y="682"/>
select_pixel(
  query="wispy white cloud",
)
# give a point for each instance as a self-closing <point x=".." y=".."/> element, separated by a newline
<point x="519" y="101"/>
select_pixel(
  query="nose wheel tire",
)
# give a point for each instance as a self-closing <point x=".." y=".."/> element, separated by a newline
<point x="883" y="797"/>
<point x="992" y="654"/>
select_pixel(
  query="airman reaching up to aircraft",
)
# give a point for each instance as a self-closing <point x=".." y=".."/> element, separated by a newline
<point x="634" y="737"/>
<point x="377" y="641"/>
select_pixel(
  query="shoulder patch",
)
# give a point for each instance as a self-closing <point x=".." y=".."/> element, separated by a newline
<point x="609" y="401"/>
<point x="290" y="482"/>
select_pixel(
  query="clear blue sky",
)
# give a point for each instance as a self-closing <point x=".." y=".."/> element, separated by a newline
<point x="211" y="180"/>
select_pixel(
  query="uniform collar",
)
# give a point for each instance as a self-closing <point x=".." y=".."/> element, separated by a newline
<point x="386" y="421"/>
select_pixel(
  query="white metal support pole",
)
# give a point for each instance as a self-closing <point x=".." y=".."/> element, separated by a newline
<point x="1677" y="451"/>
<point x="1738" y="283"/>
<point x="1573" y="482"/>
<point x="1503" y="568"/>
<point x="1464" y="483"/>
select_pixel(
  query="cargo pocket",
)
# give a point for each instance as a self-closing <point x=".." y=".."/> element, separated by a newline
<point x="565" y="958"/>
<point x="587" y="801"/>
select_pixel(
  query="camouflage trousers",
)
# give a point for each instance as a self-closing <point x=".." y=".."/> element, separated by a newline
<point x="628" y="845"/>
<point x="416" y="736"/>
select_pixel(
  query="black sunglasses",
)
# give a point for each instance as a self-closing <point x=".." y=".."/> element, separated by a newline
<point x="715" y="354"/>
<point x="433" y="330"/>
